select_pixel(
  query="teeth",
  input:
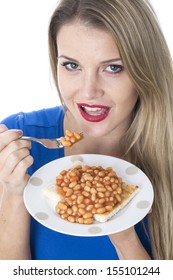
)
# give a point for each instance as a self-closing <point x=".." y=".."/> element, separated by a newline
<point x="94" y="111"/>
<point x="91" y="109"/>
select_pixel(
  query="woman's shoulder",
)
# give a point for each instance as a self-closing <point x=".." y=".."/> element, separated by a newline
<point x="41" y="118"/>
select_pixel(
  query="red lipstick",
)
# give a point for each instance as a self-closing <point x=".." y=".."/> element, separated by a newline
<point x="93" y="113"/>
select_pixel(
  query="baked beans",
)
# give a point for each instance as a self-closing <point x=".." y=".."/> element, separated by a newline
<point x="70" y="138"/>
<point x="86" y="191"/>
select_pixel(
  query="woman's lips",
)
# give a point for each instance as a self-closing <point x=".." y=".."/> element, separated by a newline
<point x="93" y="113"/>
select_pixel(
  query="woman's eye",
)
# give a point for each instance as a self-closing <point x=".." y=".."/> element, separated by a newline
<point x="70" y="66"/>
<point x="114" y="68"/>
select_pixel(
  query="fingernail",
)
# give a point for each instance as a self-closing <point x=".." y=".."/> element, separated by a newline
<point x="3" y="127"/>
<point x="19" y="132"/>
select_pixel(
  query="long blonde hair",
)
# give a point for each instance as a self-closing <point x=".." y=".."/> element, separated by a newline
<point x="149" y="141"/>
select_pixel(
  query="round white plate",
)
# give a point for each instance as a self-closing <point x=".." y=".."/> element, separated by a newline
<point x="42" y="208"/>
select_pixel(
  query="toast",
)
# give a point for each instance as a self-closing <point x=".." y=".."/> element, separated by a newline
<point x="128" y="194"/>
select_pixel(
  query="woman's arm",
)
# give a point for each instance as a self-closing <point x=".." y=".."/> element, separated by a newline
<point x="128" y="245"/>
<point x="14" y="227"/>
<point x="14" y="219"/>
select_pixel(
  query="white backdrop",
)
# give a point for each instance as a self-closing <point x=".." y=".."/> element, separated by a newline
<point x="25" y="82"/>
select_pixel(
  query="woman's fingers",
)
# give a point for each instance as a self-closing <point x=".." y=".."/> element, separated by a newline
<point x="22" y="166"/>
<point x="15" y="159"/>
<point x="10" y="151"/>
<point x="3" y="128"/>
<point x="14" y="172"/>
<point x="8" y="136"/>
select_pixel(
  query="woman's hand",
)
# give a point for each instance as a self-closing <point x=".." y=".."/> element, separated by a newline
<point x="128" y="245"/>
<point x="14" y="160"/>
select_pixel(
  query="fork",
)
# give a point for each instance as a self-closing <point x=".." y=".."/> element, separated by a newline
<point x="47" y="143"/>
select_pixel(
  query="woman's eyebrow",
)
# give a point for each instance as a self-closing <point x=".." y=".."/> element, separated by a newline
<point x="68" y="58"/>
<point x="102" y="62"/>
<point x="112" y="60"/>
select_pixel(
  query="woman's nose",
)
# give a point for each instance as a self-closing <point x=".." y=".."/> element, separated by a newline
<point x="91" y="86"/>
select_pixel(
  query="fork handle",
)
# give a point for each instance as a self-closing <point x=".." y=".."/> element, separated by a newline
<point x="28" y="138"/>
<point x="31" y="139"/>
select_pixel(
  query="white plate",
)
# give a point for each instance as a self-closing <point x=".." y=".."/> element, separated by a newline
<point x="42" y="208"/>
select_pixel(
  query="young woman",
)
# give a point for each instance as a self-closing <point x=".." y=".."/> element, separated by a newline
<point x="113" y="73"/>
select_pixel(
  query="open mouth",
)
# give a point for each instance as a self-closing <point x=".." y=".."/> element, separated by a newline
<point x="93" y="113"/>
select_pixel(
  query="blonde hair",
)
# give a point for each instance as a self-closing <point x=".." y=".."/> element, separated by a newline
<point x="149" y="141"/>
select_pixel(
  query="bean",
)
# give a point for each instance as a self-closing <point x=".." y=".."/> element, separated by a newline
<point x="99" y="185"/>
<point x="80" y="199"/>
<point x="88" y="221"/>
<point x="89" y="207"/>
<point x="87" y="188"/>
<point x="107" y="178"/>
<point x="62" y="206"/>
<point x="69" y="192"/>
<point x="101" y="189"/>
<point x="73" y="179"/>
<point x="77" y="187"/>
<point x="87" y="215"/>
<point x="89" y="184"/>
<point x="118" y="197"/>
<point x="107" y="193"/>
<point x="98" y="205"/>
<point x="77" y="135"/>
<point x="71" y="219"/>
<point x="101" y="173"/>
<point x="108" y="207"/>
<point x="114" y="186"/>
<point x="82" y="205"/>
<point x="101" y="200"/>
<point x="69" y="211"/>
<point x="100" y="194"/>
<point x="82" y="211"/>
<point x="80" y="220"/>
<point x="109" y="188"/>
<point x="65" y="143"/>
<point x="73" y="197"/>
<point x="87" y="201"/>
<point x="64" y="216"/>
<point x="72" y="139"/>
<point x="74" y="208"/>
<point x="68" y="132"/>
<point x="93" y="190"/>
<point x="73" y="184"/>
<point x="93" y="197"/>
<point x="101" y="210"/>
<point x="85" y="193"/>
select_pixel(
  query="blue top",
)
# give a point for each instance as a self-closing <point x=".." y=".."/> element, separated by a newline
<point x="47" y="244"/>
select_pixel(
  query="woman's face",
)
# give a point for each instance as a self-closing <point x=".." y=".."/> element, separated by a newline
<point x="93" y="82"/>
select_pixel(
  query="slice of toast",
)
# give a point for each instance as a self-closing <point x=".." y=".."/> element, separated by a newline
<point x="51" y="193"/>
<point x="129" y="191"/>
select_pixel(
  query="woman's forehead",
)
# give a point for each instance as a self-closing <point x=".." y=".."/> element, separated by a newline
<point x="81" y="38"/>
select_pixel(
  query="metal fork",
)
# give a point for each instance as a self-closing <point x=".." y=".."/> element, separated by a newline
<point x="47" y="143"/>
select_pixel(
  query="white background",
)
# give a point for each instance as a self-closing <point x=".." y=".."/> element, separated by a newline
<point x="25" y="79"/>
